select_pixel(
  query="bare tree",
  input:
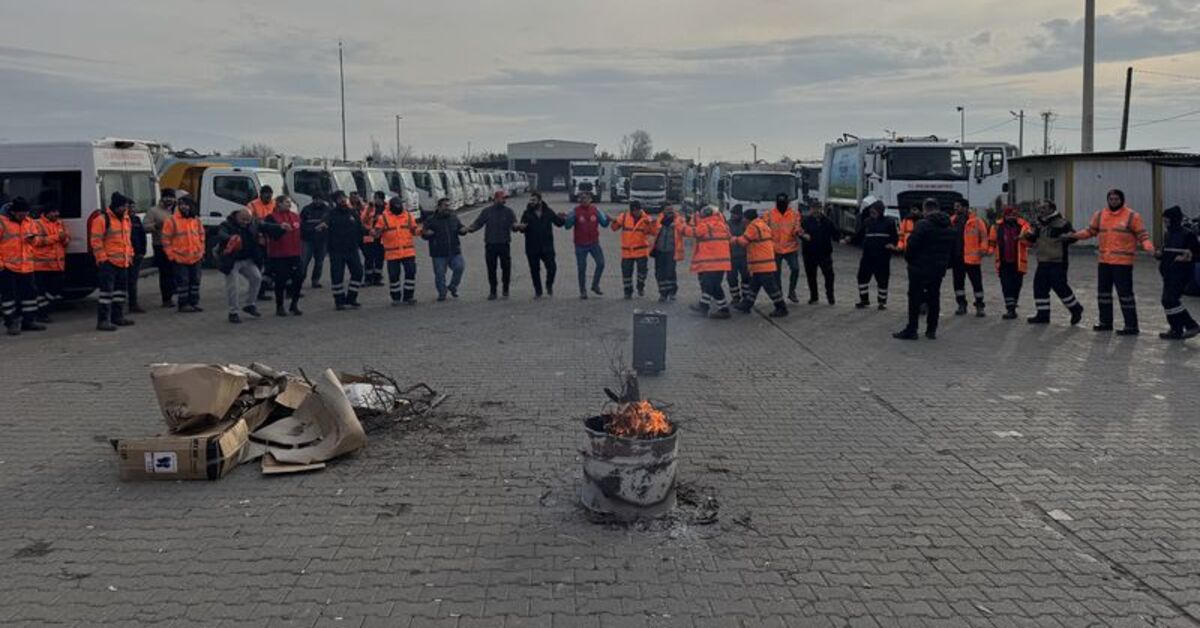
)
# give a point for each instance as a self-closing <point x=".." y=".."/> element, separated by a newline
<point x="663" y="155"/>
<point x="376" y="154"/>
<point x="636" y="146"/>
<point x="606" y="156"/>
<point x="254" y="150"/>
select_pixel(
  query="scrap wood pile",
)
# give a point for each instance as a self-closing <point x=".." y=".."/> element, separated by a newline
<point x="223" y="415"/>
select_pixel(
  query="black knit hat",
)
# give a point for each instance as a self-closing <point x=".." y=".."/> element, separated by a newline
<point x="1171" y="214"/>
<point x="19" y="204"/>
<point x="118" y="200"/>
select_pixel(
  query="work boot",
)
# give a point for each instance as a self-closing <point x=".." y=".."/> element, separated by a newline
<point x="136" y="309"/>
<point x="1102" y="327"/>
<point x="30" y="325"/>
<point x="744" y="307"/>
<point x="1038" y="319"/>
<point x="906" y="334"/>
<point x="722" y="313"/>
<point x="793" y="298"/>
<point x="118" y="317"/>
<point x="812" y="300"/>
<point x="979" y="310"/>
<point x="101" y="326"/>
<point x="882" y="306"/>
<point x="862" y="304"/>
<point x="641" y="292"/>
<point x="279" y="311"/>
<point x="196" y="308"/>
<point x="779" y="312"/>
<point x="252" y="310"/>
<point x="596" y="291"/>
<point x="1076" y="314"/>
<point x="42" y="317"/>
<point x="961" y="310"/>
<point x="1128" y="331"/>
<point x="1009" y="314"/>
<point x="830" y="299"/>
<point x="492" y="295"/>
<point x="504" y="294"/>
<point x="1172" y="334"/>
<point x="699" y="309"/>
<point x="1191" y="332"/>
<point x="234" y="318"/>
<point x="13" y="328"/>
<point x="931" y="334"/>
<point x="629" y="295"/>
<point x="168" y="303"/>
<point x="295" y="309"/>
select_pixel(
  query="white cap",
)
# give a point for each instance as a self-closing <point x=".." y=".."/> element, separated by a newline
<point x="869" y="201"/>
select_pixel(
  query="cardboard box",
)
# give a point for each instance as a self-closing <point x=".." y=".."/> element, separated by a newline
<point x="195" y="395"/>
<point x="208" y="454"/>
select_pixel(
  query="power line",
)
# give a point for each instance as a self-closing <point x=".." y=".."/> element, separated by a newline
<point x="1140" y="124"/>
<point x="993" y="127"/>
<point x="1182" y="76"/>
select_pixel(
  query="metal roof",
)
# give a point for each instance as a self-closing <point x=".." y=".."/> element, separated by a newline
<point x="1157" y="156"/>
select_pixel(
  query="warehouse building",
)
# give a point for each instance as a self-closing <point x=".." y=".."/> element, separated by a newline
<point x="548" y="160"/>
<point x="1078" y="183"/>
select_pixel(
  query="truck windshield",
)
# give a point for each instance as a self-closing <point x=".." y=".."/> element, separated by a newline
<point x="585" y="170"/>
<point x="927" y="164"/>
<point x="345" y="181"/>
<point x="762" y="187"/>
<point x="648" y="182"/>
<point x="138" y="186"/>
<point x="273" y="179"/>
<point x="378" y="181"/>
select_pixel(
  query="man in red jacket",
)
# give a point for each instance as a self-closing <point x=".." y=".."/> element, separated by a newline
<point x="586" y="219"/>
<point x="282" y="228"/>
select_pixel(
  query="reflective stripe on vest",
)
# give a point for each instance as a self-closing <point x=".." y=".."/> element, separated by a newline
<point x="16" y="251"/>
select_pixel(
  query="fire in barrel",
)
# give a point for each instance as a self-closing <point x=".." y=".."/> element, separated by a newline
<point x="629" y="462"/>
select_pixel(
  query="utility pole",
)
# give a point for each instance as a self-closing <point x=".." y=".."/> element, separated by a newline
<point x="1046" y="116"/>
<point x="1125" y="114"/>
<point x="1020" y="115"/>
<point x="468" y="151"/>
<point x="342" y="80"/>
<point x="697" y="155"/>
<point x="962" y="124"/>
<point x="1086" y="143"/>
<point x="755" y="147"/>
<point x="397" y="140"/>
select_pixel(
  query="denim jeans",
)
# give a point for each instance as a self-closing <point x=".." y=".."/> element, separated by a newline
<point x="456" y="266"/>
<point x="581" y="255"/>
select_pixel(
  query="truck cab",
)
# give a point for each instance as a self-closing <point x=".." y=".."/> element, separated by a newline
<point x="401" y="183"/>
<point x="756" y="190"/>
<point x="649" y="188"/>
<point x="304" y="182"/>
<point x="368" y="181"/>
<point x="454" y="190"/>
<point x="584" y="177"/>
<point x="219" y="188"/>
<point x="429" y="187"/>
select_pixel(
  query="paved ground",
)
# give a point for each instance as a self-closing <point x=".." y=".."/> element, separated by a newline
<point x="999" y="476"/>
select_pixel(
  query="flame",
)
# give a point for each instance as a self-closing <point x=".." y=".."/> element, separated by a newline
<point x="638" y="420"/>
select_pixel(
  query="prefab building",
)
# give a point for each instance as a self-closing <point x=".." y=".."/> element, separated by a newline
<point x="1078" y="183"/>
<point x="549" y="161"/>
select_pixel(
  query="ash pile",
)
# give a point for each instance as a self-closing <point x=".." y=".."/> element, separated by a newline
<point x="220" y="416"/>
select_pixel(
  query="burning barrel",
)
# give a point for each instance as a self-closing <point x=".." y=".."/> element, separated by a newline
<point x="629" y="463"/>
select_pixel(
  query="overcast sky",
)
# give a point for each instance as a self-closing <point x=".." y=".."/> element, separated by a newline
<point x="713" y="75"/>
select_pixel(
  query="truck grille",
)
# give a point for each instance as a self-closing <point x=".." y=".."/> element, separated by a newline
<point x="946" y="199"/>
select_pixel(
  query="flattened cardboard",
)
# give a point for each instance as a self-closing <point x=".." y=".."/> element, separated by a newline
<point x="294" y="394"/>
<point x="195" y="395"/>
<point x="328" y="409"/>
<point x="205" y="455"/>
<point x="271" y="466"/>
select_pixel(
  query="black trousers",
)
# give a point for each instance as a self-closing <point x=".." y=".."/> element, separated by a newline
<point x="288" y="276"/>
<point x="1174" y="281"/>
<point x="538" y="259"/>
<point x="166" y="274"/>
<point x="135" y="274"/>
<point x="498" y="253"/>
<point x="642" y="264"/>
<point x="876" y="267"/>
<point x="1052" y="276"/>
<point x="1109" y="276"/>
<point x="314" y="251"/>
<point x="49" y="285"/>
<point x="1011" y="281"/>
<point x="739" y="278"/>
<point x="187" y="284"/>
<point x="793" y="262"/>
<point x="712" y="292"/>
<point x="18" y="297"/>
<point x="665" y="274"/>
<point x="924" y="289"/>
<point x="113" y="282"/>
<point x="372" y="262"/>
<point x="402" y="278"/>
<point x="767" y="283"/>
<point x="825" y="264"/>
<point x="345" y="292"/>
<point x="961" y="272"/>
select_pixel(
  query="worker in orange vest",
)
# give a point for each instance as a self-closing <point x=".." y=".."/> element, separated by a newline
<point x="636" y="229"/>
<point x="785" y="231"/>
<point x="667" y="251"/>
<point x="260" y="208"/>
<point x="760" y="259"/>
<point x="18" y="288"/>
<point x="1008" y="240"/>
<point x="907" y="223"/>
<point x="109" y="241"/>
<point x="1121" y="232"/>
<point x="373" y="257"/>
<point x="183" y="243"/>
<point x="396" y="229"/>
<point x="710" y="260"/>
<point x="49" y="260"/>
<point x="971" y="244"/>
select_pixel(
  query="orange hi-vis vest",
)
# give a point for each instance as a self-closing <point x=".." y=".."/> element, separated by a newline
<point x="369" y="217"/>
<point x="711" y="253"/>
<point x="975" y="239"/>
<point x="396" y="233"/>
<point x="50" y="251"/>
<point x="906" y="228"/>
<point x="16" y="247"/>
<point x="760" y="247"/>
<point x="635" y="234"/>
<point x="259" y="209"/>
<point x="1022" y="245"/>
<point x="183" y="239"/>
<point x="1120" y="234"/>
<point x="677" y="233"/>
<point x="108" y="237"/>
<point x="785" y="230"/>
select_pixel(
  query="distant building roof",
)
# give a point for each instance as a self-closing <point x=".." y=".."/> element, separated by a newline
<point x="1118" y="155"/>
<point x="552" y="149"/>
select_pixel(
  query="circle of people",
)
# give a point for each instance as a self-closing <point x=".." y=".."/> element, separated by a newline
<point x="745" y="251"/>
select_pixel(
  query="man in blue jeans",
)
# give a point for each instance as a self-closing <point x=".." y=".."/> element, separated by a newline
<point x="587" y="221"/>
<point x="442" y="230"/>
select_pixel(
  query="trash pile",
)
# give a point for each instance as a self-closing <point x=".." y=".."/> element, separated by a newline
<point x="220" y="416"/>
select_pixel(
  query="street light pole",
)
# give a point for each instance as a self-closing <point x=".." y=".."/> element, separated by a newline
<point x="962" y="124"/>
<point x="755" y="147"/>
<point x="397" y="140"/>
<point x="342" y="81"/>
<point x="1086" y="143"/>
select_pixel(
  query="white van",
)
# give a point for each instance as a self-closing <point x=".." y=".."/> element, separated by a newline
<point x="304" y="182"/>
<point x="219" y="188"/>
<point x="454" y="190"/>
<point x="402" y="184"/>
<point x="477" y="186"/>
<point x="368" y="181"/>
<point x="468" y="188"/>
<point x="429" y="186"/>
<point x="78" y="178"/>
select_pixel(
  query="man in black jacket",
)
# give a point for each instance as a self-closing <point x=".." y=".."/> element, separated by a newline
<point x="344" y="234"/>
<point x="928" y="255"/>
<point x="314" y="244"/>
<point x="878" y="236"/>
<point x="237" y="252"/>
<point x="442" y="229"/>
<point x="537" y="223"/>
<point x="500" y="221"/>
<point x="818" y="234"/>
<point x="137" y="237"/>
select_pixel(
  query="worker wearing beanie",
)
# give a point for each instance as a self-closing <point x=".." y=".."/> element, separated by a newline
<point x="109" y="240"/>
<point x="18" y="290"/>
<point x="1009" y="242"/>
<point x="1052" y="264"/>
<point x="1121" y="232"/>
<point x="878" y="237"/>
<point x="1180" y="251"/>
